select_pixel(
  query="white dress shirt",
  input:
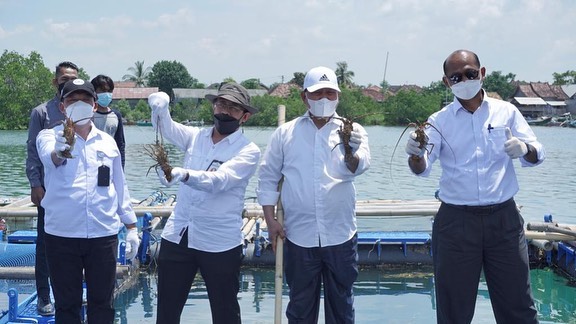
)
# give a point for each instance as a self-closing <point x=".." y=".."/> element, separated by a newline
<point x="318" y="193"/>
<point x="475" y="169"/>
<point x="76" y="207"/>
<point x="211" y="202"/>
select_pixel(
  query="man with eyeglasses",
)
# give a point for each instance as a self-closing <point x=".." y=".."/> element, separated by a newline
<point x="478" y="226"/>
<point x="204" y="232"/>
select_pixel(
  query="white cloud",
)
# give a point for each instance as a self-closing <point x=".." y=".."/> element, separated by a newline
<point x="260" y="38"/>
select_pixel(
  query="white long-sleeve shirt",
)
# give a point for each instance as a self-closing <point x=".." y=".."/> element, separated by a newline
<point x="318" y="193"/>
<point x="211" y="202"/>
<point x="476" y="170"/>
<point x="76" y="207"/>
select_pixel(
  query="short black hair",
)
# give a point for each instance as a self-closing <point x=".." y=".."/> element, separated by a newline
<point x="64" y="65"/>
<point x="101" y="80"/>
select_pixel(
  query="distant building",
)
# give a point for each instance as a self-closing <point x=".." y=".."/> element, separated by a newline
<point x="537" y="99"/>
<point x="570" y="91"/>
<point x="132" y="95"/>
<point x="282" y="90"/>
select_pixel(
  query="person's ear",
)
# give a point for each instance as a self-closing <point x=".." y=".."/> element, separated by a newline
<point x="245" y="117"/>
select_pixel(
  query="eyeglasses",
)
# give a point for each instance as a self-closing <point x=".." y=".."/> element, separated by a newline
<point x="230" y="107"/>
<point x="470" y="74"/>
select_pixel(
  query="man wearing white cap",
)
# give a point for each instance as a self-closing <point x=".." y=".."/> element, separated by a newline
<point x="319" y="197"/>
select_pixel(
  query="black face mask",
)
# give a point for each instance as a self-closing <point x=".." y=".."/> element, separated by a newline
<point x="226" y="124"/>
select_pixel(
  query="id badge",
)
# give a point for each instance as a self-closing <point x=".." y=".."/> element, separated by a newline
<point x="214" y="165"/>
<point x="103" y="176"/>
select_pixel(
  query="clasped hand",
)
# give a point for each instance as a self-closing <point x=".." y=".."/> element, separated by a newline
<point x="159" y="101"/>
<point x="413" y="146"/>
<point x="60" y="146"/>
<point x="355" y="141"/>
<point x="178" y="174"/>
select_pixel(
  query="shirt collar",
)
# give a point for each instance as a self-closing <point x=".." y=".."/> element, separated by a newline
<point x="456" y="106"/>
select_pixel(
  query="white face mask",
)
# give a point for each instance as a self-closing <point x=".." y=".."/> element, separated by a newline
<point x="80" y="112"/>
<point x="322" y="107"/>
<point x="466" y="90"/>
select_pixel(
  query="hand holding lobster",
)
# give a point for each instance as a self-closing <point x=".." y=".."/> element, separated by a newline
<point x="417" y="142"/>
<point x="62" y="147"/>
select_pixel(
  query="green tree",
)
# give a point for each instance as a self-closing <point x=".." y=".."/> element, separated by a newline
<point x="83" y="75"/>
<point x="344" y="76"/>
<point x="25" y="82"/>
<point x="568" y="77"/>
<point x="298" y="78"/>
<point x="168" y="75"/>
<point x="354" y="105"/>
<point x="498" y="82"/>
<point x="139" y="74"/>
<point x="251" y="84"/>
<point x="409" y="106"/>
<point x="124" y="107"/>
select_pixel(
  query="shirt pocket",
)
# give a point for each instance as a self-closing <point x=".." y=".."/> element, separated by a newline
<point x="106" y="156"/>
<point x="496" y="140"/>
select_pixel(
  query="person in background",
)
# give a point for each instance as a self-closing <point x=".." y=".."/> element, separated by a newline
<point x="204" y="232"/>
<point x="478" y="226"/>
<point x="105" y="118"/>
<point x="45" y="115"/>
<point x="86" y="202"/>
<point x="319" y="197"/>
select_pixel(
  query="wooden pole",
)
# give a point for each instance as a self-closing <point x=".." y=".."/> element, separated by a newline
<point x="279" y="271"/>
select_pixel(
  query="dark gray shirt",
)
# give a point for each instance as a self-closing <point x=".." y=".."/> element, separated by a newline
<point x="45" y="115"/>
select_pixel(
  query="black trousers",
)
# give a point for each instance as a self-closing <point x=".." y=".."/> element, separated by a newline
<point x="307" y="269"/>
<point x="72" y="259"/>
<point x="467" y="240"/>
<point x="177" y="268"/>
<point x="41" y="272"/>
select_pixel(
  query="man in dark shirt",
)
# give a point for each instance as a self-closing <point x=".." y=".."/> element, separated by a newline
<point x="46" y="115"/>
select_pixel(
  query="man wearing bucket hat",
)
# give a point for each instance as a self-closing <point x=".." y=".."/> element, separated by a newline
<point x="318" y="197"/>
<point x="86" y="202"/>
<point x="203" y="234"/>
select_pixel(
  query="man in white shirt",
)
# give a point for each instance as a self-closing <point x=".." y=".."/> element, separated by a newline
<point x="86" y="202"/>
<point x="204" y="232"/>
<point x="478" y="226"/>
<point x="319" y="197"/>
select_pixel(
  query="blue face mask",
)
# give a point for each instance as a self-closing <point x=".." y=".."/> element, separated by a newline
<point x="104" y="99"/>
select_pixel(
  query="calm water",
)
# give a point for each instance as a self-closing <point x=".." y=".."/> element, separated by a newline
<point x="381" y="296"/>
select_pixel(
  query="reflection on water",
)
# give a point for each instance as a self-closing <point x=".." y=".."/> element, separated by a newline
<point x="381" y="296"/>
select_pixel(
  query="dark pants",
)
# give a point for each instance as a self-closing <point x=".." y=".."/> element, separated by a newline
<point x="467" y="240"/>
<point x="177" y="268"/>
<point x="73" y="258"/>
<point x="40" y="264"/>
<point x="307" y="269"/>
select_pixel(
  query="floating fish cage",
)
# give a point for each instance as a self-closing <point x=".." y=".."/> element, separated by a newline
<point x="555" y="248"/>
<point x="550" y="244"/>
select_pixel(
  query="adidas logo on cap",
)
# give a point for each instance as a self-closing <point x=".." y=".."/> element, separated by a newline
<point x="324" y="78"/>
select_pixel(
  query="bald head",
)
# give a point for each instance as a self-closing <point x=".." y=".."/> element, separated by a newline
<point x="460" y="57"/>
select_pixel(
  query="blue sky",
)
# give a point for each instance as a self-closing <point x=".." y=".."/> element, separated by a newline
<point x="270" y="39"/>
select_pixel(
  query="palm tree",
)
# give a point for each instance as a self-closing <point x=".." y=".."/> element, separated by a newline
<point x="344" y="76"/>
<point x="139" y="74"/>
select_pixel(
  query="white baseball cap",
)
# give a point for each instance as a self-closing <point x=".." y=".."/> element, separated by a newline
<point x="320" y="77"/>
